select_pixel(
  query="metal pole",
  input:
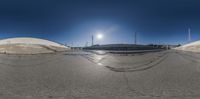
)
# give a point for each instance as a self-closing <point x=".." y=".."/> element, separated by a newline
<point x="92" y="40"/>
<point x="135" y="38"/>
<point x="189" y="34"/>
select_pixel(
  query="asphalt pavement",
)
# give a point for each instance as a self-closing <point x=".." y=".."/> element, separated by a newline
<point x="84" y="75"/>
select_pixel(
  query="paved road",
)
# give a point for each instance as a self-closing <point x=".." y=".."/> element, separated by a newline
<point x="83" y="75"/>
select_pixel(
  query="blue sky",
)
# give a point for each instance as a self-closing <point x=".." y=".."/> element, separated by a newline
<point x="74" y="21"/>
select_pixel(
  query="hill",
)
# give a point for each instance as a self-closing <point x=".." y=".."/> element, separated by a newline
<point x="26" y="45"/>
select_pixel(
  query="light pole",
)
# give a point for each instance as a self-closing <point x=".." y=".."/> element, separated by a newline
<point x="189" y="35"/>
<point x="135" y="36"/>
<point x="92" y="40"/>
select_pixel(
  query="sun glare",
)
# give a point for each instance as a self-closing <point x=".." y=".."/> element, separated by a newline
<point x="99" y="36"/>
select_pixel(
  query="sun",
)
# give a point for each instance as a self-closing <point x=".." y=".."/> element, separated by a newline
<point x="99" y="36"/>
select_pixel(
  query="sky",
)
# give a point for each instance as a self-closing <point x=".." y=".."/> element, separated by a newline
<point x="73" y="22"/>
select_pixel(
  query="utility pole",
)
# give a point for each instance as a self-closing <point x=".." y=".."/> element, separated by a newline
<point x="135" y="38"/>
<point x="92" y="40"/>
<point x="189" y="35"/>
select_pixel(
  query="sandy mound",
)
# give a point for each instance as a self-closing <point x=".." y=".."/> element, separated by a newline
<point x="194" y="47"/>
<point x="29" y="46"/>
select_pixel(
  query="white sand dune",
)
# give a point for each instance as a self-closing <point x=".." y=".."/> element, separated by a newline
<point x="27" y="45"/>
<point x="193" y="47"/>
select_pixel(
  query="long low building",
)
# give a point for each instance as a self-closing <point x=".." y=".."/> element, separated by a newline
<point x="126" y="47"/>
